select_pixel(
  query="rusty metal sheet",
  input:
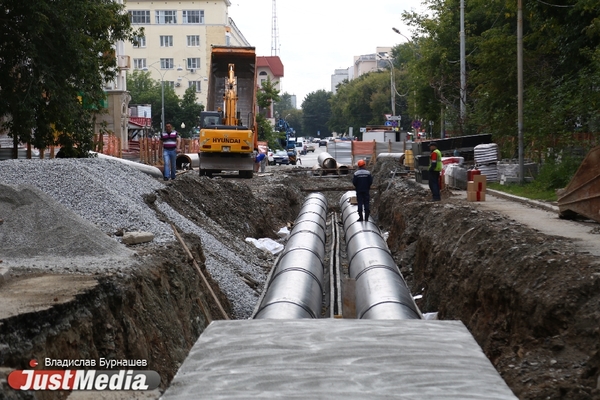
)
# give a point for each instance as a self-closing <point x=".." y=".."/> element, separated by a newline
<point x="582" y="194"/>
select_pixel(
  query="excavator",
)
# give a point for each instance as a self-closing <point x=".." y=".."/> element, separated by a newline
<point x="228" y="134"/>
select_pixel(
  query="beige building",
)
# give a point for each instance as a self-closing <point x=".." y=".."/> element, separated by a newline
<point x="371" y="62"/>
<point x="178" y="35"/>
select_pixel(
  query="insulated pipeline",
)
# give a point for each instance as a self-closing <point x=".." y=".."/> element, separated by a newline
<point x="381" y="292"/>
<point x="295" y="289"/>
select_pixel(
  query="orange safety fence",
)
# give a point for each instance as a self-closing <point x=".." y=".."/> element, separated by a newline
<point x="363" y="149"/>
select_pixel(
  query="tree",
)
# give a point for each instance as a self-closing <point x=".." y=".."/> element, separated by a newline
<point x="56" y="57"/>
<point x="145" y="90"/>
<point x="316" y="113"/>
<point x="284" y="105"/>
<point x="265" y="97"/>
<point x="561" y="70"/>
<point x="189" y="112"/>
<point x="267" y="94"/>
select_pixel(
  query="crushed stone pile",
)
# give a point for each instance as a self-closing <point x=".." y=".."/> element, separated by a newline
<point x="111" y="196"/>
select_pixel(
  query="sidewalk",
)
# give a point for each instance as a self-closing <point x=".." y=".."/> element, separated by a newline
<point x="541" y="216"/>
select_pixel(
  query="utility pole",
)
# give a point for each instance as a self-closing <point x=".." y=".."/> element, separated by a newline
<point x="463" y="69"/>
<point x="520" y="88"/>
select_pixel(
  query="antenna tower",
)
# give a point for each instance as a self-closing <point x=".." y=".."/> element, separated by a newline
<point x="274" y="32"/>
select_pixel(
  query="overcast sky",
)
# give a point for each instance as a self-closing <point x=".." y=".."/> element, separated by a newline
<point x="318" y="36"/>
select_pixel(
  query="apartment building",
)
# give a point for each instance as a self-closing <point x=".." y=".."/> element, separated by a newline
<point x="178" y="35"/>
<point x="339" y="76"/>
<point x="371" y="62"/>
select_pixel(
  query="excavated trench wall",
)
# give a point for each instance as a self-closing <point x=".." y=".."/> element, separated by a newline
<point x="155" y="313"/>
<point x="527" y="298"/>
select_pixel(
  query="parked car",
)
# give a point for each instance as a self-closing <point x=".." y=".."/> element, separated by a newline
<point x="281" y="157"/>
<point x="270" y="159"/>
<point x="322" y="143"/>
<point x="310" y="148"/>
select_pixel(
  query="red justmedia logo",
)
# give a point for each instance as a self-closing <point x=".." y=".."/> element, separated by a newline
<point x="83" y="380"/>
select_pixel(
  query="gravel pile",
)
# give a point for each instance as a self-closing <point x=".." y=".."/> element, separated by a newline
<point x="110" y="195"/>
<point x="107" y="193"/>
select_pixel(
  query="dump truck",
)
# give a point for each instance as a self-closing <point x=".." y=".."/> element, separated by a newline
<point x="228" y="130"/>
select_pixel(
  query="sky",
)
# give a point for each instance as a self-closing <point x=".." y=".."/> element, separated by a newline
<point x="316" y="37"/>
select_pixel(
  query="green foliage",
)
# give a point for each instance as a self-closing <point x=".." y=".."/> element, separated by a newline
<point x="266" y="132"/>
<point x="189" y="113"/>
<point x="527" y="190"/>
<point x="557" y="171"/>
<point x="53" y="51"/>
<point x="284" y="104"/>
<point x="145" y="90"/>
<point x="316" y="113"/>
<point x="561" y="70"/>
<point x="267" y="94"/>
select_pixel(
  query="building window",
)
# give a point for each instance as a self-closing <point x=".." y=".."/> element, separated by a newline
<point x="195" y="85"/>
<point x="193" y="40"/>
<point x="193" y="63"/>
<point x="170" y="84"/>
<point x="166" y="17"/>
<point x="139" y="63"/>
<point x="139" y="42"/>
<point x="166" y="63"/>
<point x="166" y="41"/>
<point x="140" y="17"/>
<point x="193" y="16"/>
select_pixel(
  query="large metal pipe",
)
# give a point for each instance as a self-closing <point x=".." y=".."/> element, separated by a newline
<point x="380" y="289"/>
<point x="187" y="161"/>
<point x="295" y="289"/>
<point x="147" y="169"/>
<point x="326" y="161"/>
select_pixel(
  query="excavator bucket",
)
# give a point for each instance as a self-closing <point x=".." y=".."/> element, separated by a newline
<point x="582" y="194"/>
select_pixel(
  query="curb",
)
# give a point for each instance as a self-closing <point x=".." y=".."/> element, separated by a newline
<point x="535" y="203"/>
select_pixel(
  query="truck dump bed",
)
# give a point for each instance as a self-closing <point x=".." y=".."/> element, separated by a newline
<point x="244" y="59"/>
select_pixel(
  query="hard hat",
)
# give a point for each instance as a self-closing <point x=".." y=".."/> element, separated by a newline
<point x="361" y="163"/>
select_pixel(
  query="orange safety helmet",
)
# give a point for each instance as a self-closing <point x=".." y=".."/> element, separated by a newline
<point x="361" y="163"/>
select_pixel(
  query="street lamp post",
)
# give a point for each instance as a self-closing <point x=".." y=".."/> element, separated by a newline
<point x="392" y="85"/>
<point x="162" y="89"/>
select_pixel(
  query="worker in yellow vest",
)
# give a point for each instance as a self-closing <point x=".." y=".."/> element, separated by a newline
<point x="435" y="168"/>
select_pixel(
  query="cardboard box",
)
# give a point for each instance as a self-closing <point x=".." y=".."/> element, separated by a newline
<point x="475" y="196"/>
<point x="353" y="200"/>
<point x="481" y="181"/>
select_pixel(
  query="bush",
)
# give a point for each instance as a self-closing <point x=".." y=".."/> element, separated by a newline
<point x="558" y="170"/>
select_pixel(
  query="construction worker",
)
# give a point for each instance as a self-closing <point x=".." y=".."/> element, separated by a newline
<point x="169" y="139"/>
<point x="362" y="181"/>
<point x="435" y="167"/>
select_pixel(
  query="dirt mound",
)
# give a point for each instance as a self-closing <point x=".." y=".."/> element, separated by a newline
<point x="256" y="208"/>
<point x="530" y="300"/>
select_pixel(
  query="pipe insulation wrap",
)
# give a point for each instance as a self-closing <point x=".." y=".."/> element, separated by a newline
<point x="295" y="289"/>
<point x="380" y="290"/>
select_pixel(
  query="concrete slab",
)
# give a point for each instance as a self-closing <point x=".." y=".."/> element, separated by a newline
<point x="333" y="358"/>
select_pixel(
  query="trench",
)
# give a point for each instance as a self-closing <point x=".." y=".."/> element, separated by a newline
<point x="465" y="270"/>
